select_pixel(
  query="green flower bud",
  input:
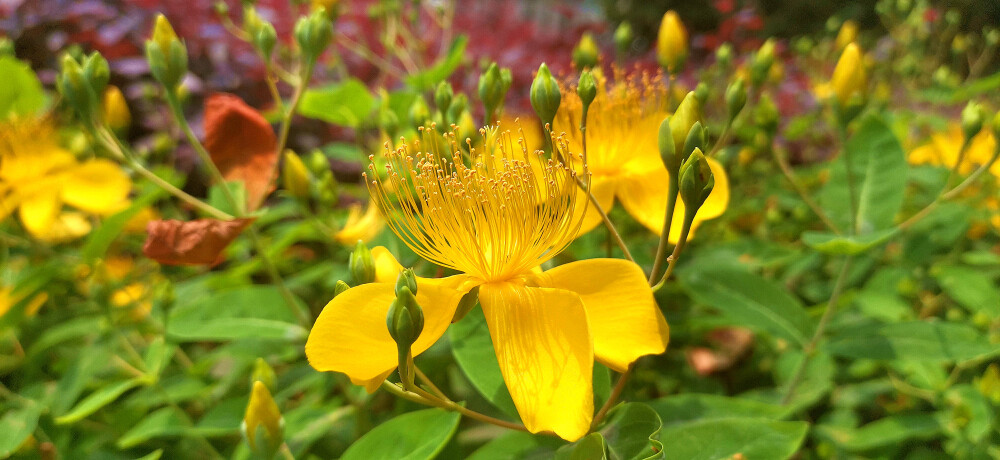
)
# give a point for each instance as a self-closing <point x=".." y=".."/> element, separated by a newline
<point x="420" y="114"/>
<point x="405" y="319"/>
<point x="701" y="93"/>
<point x="766" y="114"/>
<point x="507" y="78"/>
<point x="313" y="34"/>
<point x="73" y="86"/>
<point x="361" y="264"/>
<point x="465" y="305"/>
<point x="388" y="121"/>
<point x="736" y="98"/>
<point x="319" y="164"/>
<point x="762" y="62"/>
<point x="972" y="120"/>
<point x="95" y="70"/>
<point x="263" y="373"/>
<point x="696" y="180"/>
<point x="668" y="152"/>
<point x="724" y="54"/>
<point x="442" y="96"/>
<point x="295" y="176"/>
<point x="263" y="427"/>
<point x="586" y="88"/>
<point x="459" y="105"/>
<point x="265" y="39"/>
<point x="492" y="89"/>
<point x="340" y="288"/>
<point x="406" y="279"/>
<point x="220" y="8"/>
<point x="167" y="56"/>
<point x="586" y="52"/>
<point x="695" y="140"/>
<point x="623" y="37"/>
<point x="545" y="95"/>
<point x="686" y="115"/>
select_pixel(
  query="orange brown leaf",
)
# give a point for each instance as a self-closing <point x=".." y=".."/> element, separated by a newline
<point x="242" y="145"/>
<point x="197" y="242"/>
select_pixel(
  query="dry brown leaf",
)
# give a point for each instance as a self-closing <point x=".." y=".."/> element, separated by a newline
<point x="198" y="242"/>
<point x="242" y="145"/>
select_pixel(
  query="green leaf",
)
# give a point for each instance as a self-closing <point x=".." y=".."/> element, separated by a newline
<point x="879" y="169"/>
<point x="632" y="431"/>
<point x="157" y="355"/>
<point x="884" y="432"/>
<point x="243" y="312"/>
<point x="519" y="445"/>
<point x="161" y="423"/>
<point x="829" y="243"/>
<point x="914" y="340"/>
<point x="591" y="447"/>
<point x="348" y="103"/>
<point x="99" y="399"/>
<point x="970" y="287"/>
<point x="441" y="69"/>
<point x="694" y="407"/>
<point x="413" y="436"/>
<point x="473" y="350"/>
<point x="154" y="455"/>
<point x="749" y="300"/>
<point x="16" y="425"/>
<point x="21" y="92"/>
<point x="217" y="196"/>
<point x="960" y="94"/>
<point x="100" y="240"/>
<point x="724" y="438"/>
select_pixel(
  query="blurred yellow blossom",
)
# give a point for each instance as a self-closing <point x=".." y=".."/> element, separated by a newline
<point x="944" y="147"/>
<point x="364" y="227"/>
<point x="8" y="299"/>
<point x="623" y="157"/>
<point x="847" y="34"/>
<point x="37" y="177"/>
<point x="849" y="76"/>
<point x="672" y="42"/>
<point x="114" y="109"/>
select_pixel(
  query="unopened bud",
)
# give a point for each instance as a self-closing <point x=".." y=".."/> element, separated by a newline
<point x="545" y="95"/>
<point x="96" y="71"/>
<point x="586" y="88"/>
<point x="340" y="288"/>
<point x="442" y="96"/>
<point x="492" y="90"/>
<point x="687" y="114"/>
<point x="265" y="39"/>
<point x="736" y="98"/>
<point x="972" y="120"/>
<point x="701" y="93"/>
<point x="420" y="114"/>
<point x="665" y="142"/>
<point x="262" y="372"/>
<point x="114" y="109"/>
<point x="623" y="37"/>
<point x="459" y="105"/>
<point x="313" y="34"/>
<point x="263" y="426"/>
<point x="405" y="319"/>
<point x="695" y="140"/>
<point x="295" y="176"/>
<point x="766" y="114"/>
<point x="849" y="75"/>
<point x="166" y="54"/>
<point x="75" y="88"/>
<point x="696" y="180"/>
<point x="406" y="279"/>
<point x="760" y="67"/>
<point x="847" y="34"/>
<point x="361" y="264"/>
<point x="724" y="54"/>
<point x="672" y="42"/>
<point x="586" y="53"/>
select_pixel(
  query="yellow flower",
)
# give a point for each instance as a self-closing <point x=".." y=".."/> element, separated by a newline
<point x="114" y="109"/>
<point x="37" y="177"/>
<point x="263" y="418"/>
<point x="622" y="155"/>
<point x="849" y="76"/>
<point x="8" y="300"/>
<point x="847" y="34"/>
<point x="672" y="42"/>
<point x="496" y="222"/>
<point x="944" y="147"/>
<point x="364" y="227"/>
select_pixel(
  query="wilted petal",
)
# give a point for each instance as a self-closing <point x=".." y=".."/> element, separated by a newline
<point x="242" y="145"/>
<point x="198" y="242"/>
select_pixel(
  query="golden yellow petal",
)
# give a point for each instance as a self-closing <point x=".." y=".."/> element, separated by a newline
<point x="98" y="186"/>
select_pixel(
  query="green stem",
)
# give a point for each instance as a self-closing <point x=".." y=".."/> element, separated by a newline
<point x="616" y="392"/>
<point x="422" y="397"/>
<point x="673" y="189"/>
<point x="849" y="168"/>
<point x="824" y="320"/>
<point x="951" y="194"/>
<point x="786" y="170"/>
<point x="681" y="242"/>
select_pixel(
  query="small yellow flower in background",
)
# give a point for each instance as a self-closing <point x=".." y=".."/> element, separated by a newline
<point x="8" y="300"/>
<point x="114" y="109"/>
<point x="262" y="424"/>
<point x="944" y="147"/>
<point x="364" y="227"/>
<point x="672" y="42"/>
<point x="849" y="76"/>
<point x="496" y="221"/>
<point x="847" y="34"/>
<point x="623" y="158"/>
<point x="37" y="177"/>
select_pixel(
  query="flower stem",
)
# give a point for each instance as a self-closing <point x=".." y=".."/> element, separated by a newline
<point x="786" y="170"/>
<point x="674" y="256"/>
<point x="951" y="194"/>
<point x="810" y="347"/>
<point x="616" y="392"/>
<point x="673" y="189"/>
<point x="422" y="397"/>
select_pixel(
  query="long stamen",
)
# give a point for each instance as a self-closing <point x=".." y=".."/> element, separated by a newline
<point x="505" y="212"/>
